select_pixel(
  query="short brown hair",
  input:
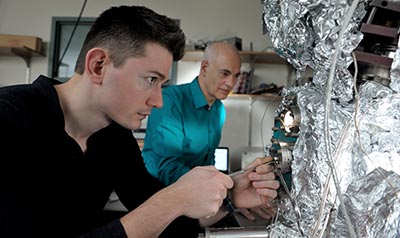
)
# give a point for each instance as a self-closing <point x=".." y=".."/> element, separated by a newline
<point x="125" y="30"/>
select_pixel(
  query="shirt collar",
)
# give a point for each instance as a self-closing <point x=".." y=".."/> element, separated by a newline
<point x="198" y="96"/>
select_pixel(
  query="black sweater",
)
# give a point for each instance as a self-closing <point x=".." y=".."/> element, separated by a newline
<point x="49" y="187"/>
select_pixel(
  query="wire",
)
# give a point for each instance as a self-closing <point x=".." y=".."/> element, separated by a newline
<point x="70" y="37"/>
<point x="327" y="112"/>
<point x="327" y="186"/>
<point x="263" y="117"/>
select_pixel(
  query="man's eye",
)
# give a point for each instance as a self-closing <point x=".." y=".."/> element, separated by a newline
<point x="152" y="80"/>
<point x="225" y="74"/>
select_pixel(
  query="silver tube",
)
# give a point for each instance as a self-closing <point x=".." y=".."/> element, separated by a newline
<point x="237" y="232"/>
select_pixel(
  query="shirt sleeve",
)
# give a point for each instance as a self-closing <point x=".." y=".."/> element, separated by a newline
<point x="163" y="147"/>
<point x="112" y="230"/>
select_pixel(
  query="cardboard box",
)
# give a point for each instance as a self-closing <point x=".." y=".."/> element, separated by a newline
<point x="16" y="41"/>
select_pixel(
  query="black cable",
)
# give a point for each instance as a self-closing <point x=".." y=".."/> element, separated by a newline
<point x="70" y="38"/>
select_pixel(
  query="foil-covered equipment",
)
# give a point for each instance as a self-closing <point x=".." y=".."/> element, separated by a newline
<point x="345" y="166"/>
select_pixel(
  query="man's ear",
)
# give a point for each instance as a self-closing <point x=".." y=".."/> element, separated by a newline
<point x="203" y="68"/>
<point x="96" y="60"/>
<point x="204" y="65"/>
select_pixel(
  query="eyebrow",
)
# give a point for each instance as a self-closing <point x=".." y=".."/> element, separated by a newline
<point x="228" y="71"/>
<point x="225" y="71"/>
<point x="162" y="76"/>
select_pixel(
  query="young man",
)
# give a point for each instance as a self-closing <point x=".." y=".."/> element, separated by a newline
<point x="66" y="147"/>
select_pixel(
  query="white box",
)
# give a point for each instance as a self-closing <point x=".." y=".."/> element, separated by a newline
<point x="249" y="156"/>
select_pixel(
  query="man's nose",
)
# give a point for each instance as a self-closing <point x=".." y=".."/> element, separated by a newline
<point x="155" y="99"/>
<point x="231" y="81"/>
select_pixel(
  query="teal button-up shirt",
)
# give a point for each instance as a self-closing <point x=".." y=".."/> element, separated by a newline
<point x="184" y="133"/>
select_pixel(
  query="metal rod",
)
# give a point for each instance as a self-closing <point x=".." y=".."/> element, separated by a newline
<point x="242" y="171"/>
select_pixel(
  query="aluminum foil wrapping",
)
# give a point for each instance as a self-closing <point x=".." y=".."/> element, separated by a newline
<point x="364" y="128"/>
<point x="395" y="70"/>
<point x="304" y="32"/>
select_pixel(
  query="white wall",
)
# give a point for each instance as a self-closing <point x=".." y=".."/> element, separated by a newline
<point x="206" y="19"/>
<point x="200" y="20"/>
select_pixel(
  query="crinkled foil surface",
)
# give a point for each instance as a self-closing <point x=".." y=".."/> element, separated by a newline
<point x="364" y="130"/>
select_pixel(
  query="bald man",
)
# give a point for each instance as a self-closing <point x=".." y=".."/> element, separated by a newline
<point x="185" y="132"/>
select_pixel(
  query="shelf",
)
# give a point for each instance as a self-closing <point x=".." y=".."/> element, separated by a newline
<point x="265" y="96"/>
<point x="262" y="57"/>
<point x="24" y="52"/>
<point x="21" y="45"/>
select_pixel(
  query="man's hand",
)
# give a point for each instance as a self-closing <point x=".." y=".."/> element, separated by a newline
<point x="201" y="191"/>
<point x="265" y="211"/>
<point x="257" y="187"/>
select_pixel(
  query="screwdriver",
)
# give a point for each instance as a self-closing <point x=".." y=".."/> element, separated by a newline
<point x="252" y="168"/>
